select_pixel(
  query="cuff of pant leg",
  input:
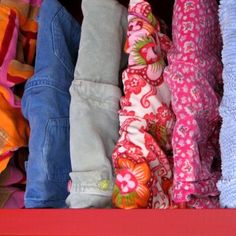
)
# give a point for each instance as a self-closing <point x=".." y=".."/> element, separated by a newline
<point x="227" y="190"/>
<point x="91" y="182"/>
<point x="38" y="204"/>
<point x="83" y="200"/>
<point x="90" y="190"/>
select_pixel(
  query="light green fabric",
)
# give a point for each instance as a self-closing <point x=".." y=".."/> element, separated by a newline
<point x="95" y="96"/>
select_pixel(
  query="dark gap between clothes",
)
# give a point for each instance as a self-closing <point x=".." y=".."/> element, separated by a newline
<point x="161" y="8"/>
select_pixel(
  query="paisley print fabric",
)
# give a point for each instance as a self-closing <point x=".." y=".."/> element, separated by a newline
<point x="142" y="156"/>
<point x="194" y="76"/>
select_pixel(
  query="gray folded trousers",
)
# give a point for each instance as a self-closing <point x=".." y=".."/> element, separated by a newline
<point x="95" y="96"/>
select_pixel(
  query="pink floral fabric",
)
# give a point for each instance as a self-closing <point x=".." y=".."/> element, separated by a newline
<point x="142" y="156"/>
<point x="194" y="78"/>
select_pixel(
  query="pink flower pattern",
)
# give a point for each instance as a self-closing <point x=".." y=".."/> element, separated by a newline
<point x="146" y="118"/>
<point x="126" y="182"/>
<point x="194" y="78"/>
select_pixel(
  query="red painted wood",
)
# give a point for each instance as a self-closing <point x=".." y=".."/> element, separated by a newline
<point x="118" y="222"/>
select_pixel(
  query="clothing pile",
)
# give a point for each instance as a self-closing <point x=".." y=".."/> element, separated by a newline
<point x="18" y="33"/>
<point x="115" y="111"/>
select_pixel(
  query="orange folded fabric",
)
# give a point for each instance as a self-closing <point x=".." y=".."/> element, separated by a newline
<point x="28" y="11"/>
<point x="18" y="32"/>
<point x="14" y="129"/>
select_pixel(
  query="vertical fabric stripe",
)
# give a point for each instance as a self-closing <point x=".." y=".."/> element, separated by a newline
<point x="8" y="36"/>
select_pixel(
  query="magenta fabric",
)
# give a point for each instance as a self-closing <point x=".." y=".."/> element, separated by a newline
<point x="14" y="198"/>
<point x="10" y="21"/>
<point x="194" y="76"/>
<point x="12" y="181"/>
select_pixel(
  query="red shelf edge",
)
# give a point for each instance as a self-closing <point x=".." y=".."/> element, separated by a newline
<point x="118" y="222"/>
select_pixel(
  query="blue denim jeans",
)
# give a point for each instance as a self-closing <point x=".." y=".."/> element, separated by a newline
<point x="46" y="103"/>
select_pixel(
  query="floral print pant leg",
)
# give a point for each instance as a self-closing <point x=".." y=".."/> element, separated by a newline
<point x="141" y="156"/>
<point x="194" y="78"/>
<point x="227" y="185"/>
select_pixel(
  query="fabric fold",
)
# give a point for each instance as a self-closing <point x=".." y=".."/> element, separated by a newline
<point x="18" y="31"/>
<point x="14" y="129"/>
<point x="45" y="104"/>
<point x="95" y="95"/>
<point x="227" y="184"/>
<point x="12" y="187"/>
<point x="194" y="76"/>
<point x="142" y="156"/>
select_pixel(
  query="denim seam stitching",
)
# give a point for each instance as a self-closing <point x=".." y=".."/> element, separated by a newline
<point x="53" y="41"/>
<point x="45" y="83"/>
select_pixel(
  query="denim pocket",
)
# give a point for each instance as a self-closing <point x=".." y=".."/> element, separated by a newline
<point x="56" y="152"/>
